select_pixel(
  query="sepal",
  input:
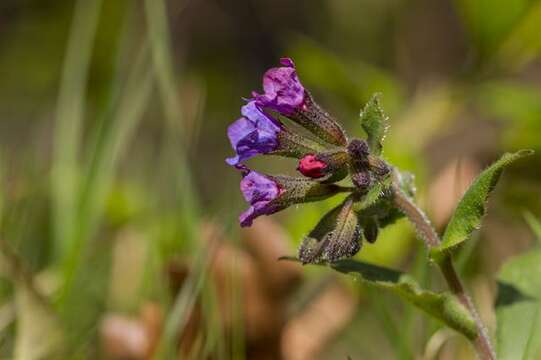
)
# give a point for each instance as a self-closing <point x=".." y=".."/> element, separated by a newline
<point x="338" y="235"/>
<point x="295" y="145"/>
<point x="298" y="190"/>
<point x="312" y="117"/>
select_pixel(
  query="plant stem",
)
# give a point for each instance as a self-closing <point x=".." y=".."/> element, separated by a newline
<point x="482" y="342"/>
<point x="426" y="231"/>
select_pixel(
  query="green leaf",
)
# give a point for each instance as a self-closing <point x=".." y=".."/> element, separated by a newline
<point x="374" y="194"/>
<point x="518" y="308"/>
<point x="442" y="306"/>
<point x="378" y="203"/>
<point x="471" y="208"/>
<point x="374" y="123"/>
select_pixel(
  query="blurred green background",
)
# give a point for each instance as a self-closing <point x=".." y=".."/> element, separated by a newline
<point x="119" y="235"/>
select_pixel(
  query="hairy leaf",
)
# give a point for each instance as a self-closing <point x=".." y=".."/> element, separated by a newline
<point x="378" y="204"/>
<point x="374" y="123"/>
<point x="374" y="194"/>
<point x="471" y="208"/>
<point x="518" y="308"/>
<point x="443" y="306"/>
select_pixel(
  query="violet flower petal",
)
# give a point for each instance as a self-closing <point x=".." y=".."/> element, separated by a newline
<point x="258" y="190"/>
<point x="283" y="92"/>
<point x="254" y="133"/>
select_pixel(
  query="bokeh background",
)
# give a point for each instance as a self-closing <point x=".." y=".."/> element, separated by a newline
<point x="119" y="235"/>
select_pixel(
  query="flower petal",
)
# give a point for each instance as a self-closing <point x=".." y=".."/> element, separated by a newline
<point x="239" y="130"/>
<point x="258" y="188"/>
<point x="287" y="62"/>
<point x="254" y="133"/>
<point x="253" y="112"/>
<point x="283" y="90"/>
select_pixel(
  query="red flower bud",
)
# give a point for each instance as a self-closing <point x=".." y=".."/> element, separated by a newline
<point x="312" y="167"/>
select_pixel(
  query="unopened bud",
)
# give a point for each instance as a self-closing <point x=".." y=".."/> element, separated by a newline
<point x="370" y="230"/>
<point x="360" y="168"/>
<point x="338" y="235"/>
<point x="312" y="167"/>
<point x="326" y="166"/>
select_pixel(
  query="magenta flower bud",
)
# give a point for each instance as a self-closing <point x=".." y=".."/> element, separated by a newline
<point x="284" y="93"/>
<point x="329" y="166"/>
<point x="269" y="194"/>
<point x="311" y="167"/>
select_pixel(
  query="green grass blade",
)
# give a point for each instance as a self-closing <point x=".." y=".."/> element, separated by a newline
<point x="534" y="224"/>
<point x="175" y="151"/>
<point x="111" y="142"/>
<point x="69" y="118"/>
<point x="162" y="59"/>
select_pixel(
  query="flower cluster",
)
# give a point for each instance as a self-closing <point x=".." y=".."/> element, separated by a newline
<point x="325" y="156"/>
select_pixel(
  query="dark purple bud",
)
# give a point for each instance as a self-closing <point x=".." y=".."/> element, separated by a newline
<point x="358" y="150"/>
<point x="371" y="230"/>
<point x="269" y="194"/>
<point x="360" y="168"/>
<point x="284" y="93"/>
<point x="361" y="179"/>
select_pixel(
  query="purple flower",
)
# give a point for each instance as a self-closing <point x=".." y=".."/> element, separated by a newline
<point x="258" y="190"/>
<point x="284" y="92"/>
<point x="254" y="133"/>
<point x="269" y="194"/>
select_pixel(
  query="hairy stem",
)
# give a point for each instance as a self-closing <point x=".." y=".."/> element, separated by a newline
<point x="426" y="231"/>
